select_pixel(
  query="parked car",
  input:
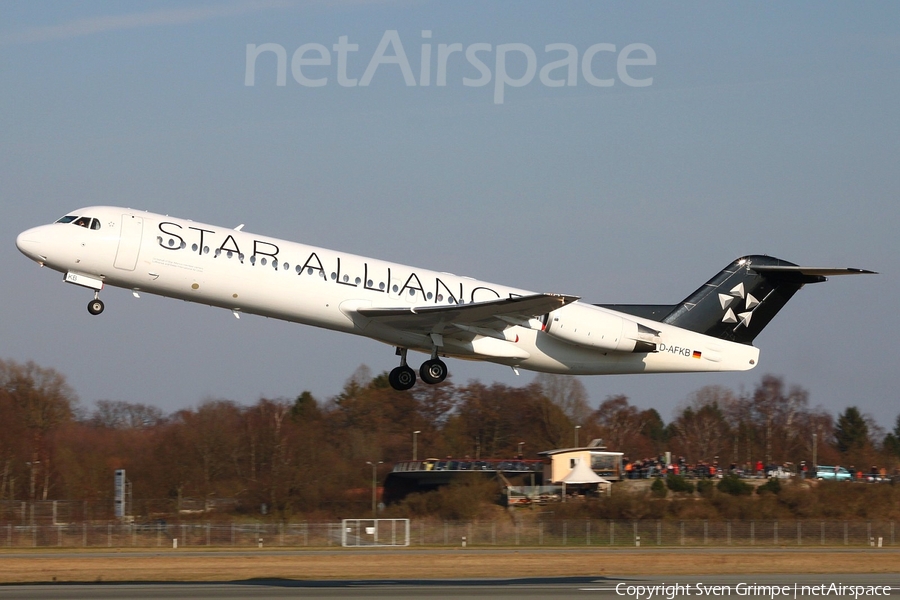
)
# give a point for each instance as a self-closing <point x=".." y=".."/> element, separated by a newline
<point x="833" y="473"/>
<point x="778" y="473"/>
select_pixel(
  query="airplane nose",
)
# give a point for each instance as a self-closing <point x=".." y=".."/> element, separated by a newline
<point x="28" y="242"/>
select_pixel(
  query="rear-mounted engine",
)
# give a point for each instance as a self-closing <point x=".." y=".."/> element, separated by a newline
<point x="586" y="325"/>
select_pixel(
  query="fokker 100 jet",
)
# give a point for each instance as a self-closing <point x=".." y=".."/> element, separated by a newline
<point x="410" y="308"/>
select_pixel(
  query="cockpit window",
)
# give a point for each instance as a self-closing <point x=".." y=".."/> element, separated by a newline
<point x="86" y="222"/>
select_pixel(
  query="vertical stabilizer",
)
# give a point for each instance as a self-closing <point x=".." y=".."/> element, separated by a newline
<point x="744" y="297"/>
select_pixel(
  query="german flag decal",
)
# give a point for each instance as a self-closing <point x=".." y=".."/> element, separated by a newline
<point x="696" y="354"/>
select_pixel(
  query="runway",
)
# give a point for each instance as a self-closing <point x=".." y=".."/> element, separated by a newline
<point x="855" y="586"/>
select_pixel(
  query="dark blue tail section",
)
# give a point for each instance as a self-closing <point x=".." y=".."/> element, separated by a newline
<point x="740" y="300"/>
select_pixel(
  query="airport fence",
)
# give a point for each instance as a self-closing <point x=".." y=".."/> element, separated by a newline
<point x="583" y="533"/>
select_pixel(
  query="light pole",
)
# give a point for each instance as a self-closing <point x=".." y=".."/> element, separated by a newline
<point x="520" y="449"/>
<point x="374" y="485"/>
<point x="577" y="427"/>
<point x="815" y="451"/>
<point x="415" y="445"/>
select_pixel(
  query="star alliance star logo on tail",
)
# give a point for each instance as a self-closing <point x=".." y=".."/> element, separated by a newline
<point x="738" y="293"/>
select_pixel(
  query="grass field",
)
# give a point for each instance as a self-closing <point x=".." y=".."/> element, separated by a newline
<point x="176" y="565"/>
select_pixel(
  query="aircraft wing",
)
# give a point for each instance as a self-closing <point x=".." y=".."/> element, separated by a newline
<point x="494" y="315"/>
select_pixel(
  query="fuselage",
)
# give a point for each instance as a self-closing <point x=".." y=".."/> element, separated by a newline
<point x="249" y="273"/>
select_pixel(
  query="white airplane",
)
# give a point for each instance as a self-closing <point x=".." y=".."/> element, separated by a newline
<point x="416" y="309"/>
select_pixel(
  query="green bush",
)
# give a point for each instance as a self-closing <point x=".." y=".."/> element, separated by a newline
<point x="705" y="487"/>
<point x="772" y="486"/>
<point x="677" y="483"/>
<point x="735" y="486"/>
<point x="658" y="488"/>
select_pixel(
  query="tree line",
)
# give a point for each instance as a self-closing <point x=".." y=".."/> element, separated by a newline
<point x="310" y="456"/>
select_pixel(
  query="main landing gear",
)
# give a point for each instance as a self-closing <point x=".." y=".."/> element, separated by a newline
<point x="95" y="306"/>
<point x="403" y="377"/>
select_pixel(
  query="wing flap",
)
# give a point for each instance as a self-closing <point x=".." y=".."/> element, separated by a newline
<point x="494" y="315"/>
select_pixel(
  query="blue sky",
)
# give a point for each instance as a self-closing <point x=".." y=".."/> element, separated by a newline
<point x="768" y="128"/>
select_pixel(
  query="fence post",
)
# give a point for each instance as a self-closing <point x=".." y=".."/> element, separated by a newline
<point x="494" y="533"/>
<point x="658" y="532"/>
<point x="799" y="533"/>
<point x="752" y="533"/>
<point x="846" y="533"/>
<point x="706" y="532"/>
<point x="775" y="532"/>
<point x="728" y="532"/>
<point x="822" y="542"/>
<point x="541" y="533"/>
<point x="612" y="532"/>
<point x="681" y="524"/>
<point x="587" y="532"/>
<point x="565" y="532"/>
<point x="109" y="535"/>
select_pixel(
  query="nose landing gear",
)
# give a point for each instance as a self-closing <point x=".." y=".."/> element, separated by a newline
<point x="95" y="306"/>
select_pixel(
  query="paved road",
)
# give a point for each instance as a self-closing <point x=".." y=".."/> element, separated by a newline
<point x="566" y="588"/>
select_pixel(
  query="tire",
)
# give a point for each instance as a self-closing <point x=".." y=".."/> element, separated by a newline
<point x="95" y="307"/>
<point x="402" y="378"/>
<point x="433" y="371"/>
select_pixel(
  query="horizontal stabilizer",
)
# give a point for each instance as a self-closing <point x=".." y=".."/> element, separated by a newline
<point x="810" y="271"/>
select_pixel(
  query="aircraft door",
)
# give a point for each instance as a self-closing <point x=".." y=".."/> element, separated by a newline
<point x="129" y="242"/>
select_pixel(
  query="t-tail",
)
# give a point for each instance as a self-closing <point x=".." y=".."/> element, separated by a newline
<point x="739" y="301"/>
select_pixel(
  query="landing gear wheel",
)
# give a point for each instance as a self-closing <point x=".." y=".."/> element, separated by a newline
<point x="433" y="371"/>
<point x="402" y="378"/>
<point x="95" y="306"/>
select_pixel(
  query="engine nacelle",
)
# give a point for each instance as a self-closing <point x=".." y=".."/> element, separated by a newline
<point x="586" y="325"/>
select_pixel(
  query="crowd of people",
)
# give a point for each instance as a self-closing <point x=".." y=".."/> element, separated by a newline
<point x="646" y="468"/>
